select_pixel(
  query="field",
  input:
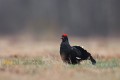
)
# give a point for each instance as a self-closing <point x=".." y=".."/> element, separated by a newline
<point x="29" y="59"/>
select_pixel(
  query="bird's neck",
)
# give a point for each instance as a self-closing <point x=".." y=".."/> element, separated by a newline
<point x="65" y="43"/>
<point x="65" y="47"/>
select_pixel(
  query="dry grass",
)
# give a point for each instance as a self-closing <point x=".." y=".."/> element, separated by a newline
<point x="39" y="60"/>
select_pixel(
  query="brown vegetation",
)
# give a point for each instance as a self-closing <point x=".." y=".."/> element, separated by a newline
<point x="40" y="60"/>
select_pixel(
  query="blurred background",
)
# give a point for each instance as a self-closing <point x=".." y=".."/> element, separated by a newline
<point x="30" y="32"/>
<point x="83" y="18"/>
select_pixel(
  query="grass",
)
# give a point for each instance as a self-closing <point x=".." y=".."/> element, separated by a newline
<point x="29" y="60"/>
<point x="33" y="67"/>
<point x="38" y="61"/>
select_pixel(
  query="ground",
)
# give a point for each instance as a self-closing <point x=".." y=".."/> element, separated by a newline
<point x="29" y="59"/>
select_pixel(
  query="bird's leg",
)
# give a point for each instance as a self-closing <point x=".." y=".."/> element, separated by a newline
<point x="70" y="61"/>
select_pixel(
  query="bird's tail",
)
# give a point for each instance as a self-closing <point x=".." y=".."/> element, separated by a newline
<point x="92" y="60"/>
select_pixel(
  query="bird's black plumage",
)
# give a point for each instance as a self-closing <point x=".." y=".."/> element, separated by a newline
<point x="73" y="54"/>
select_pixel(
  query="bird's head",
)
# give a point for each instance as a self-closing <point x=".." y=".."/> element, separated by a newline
<point x="64" y="37"/>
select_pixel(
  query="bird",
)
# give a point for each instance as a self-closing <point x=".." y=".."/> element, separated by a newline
<point x="73" y="54"/>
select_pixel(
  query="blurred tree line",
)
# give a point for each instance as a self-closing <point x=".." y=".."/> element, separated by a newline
<point x="76" y="17"/>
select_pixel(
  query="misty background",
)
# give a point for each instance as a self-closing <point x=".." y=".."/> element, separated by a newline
<point x="76" y="17"/>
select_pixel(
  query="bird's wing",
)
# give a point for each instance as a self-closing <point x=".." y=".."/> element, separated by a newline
<point x="76" y="52"/>
<point x="84" y="53"/>
<point x="80" y="49"/>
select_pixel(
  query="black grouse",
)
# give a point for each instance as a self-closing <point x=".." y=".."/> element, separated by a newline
<point x="73" y="54"/>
